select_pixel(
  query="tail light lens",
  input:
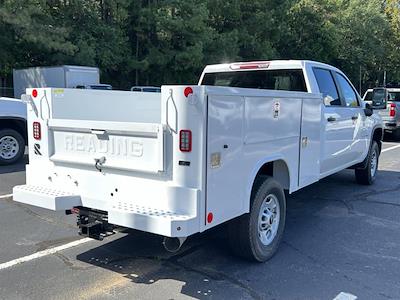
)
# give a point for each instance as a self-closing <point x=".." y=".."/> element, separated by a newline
<point x="37" y="131"/>
<point x="392" y="110"/>
<point x="185" y="140"/>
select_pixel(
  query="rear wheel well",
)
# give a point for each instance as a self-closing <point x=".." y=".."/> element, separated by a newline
<point x="18" y="125"/>
<point x="377" y="136"/>
<point x="278" y="170"/>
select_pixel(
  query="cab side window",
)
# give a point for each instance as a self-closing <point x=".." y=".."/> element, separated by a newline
<point x="327" y="87"/>
<point x="348" y="93"/>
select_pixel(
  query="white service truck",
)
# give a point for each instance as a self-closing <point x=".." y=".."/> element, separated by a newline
<point x="193" y="157"/>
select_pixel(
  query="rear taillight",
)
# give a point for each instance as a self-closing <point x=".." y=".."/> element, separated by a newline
<point x="392" y="110"/>
<point x="185" y="140"/>
<point x="37" y="131"/>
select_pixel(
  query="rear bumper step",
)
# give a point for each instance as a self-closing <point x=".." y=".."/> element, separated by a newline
<point x="151" y="219"/>
<point x="46" y="197"/>
<point x="125" y="214"/>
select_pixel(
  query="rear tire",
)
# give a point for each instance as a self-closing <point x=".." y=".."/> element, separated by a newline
<point x="256" y="235"/>
<point x="367" y="175"/>
<point x="12" y="146"/>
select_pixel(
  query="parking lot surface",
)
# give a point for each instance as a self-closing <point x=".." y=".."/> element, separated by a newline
<point x="341" y="240"/>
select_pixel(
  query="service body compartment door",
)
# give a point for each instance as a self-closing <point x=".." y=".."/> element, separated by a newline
<point x="310" y="141"/>
<point x="224" y="154"/>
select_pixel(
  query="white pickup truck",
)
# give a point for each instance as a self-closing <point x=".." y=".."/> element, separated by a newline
<point x="193" y="157"/>
<point x="13" y="131"/>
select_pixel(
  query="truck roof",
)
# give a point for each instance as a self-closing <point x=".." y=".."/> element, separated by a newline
<point x="59" y="66"/>
<point x="272" y="64"/>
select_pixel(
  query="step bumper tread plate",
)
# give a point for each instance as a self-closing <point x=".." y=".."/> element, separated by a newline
<point x="154" y="220"/>
<point x="46" y="197"/>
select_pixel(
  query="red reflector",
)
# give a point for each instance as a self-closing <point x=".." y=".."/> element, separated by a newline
<point x="392" y="110"/>
<point x="210" y="217"/>
<point x="37" y="131"/>
<point x="185" y="140"/>
<point x="188" y="91"/>
<point x="34" y="93"/>
<point x="75" y="210"/>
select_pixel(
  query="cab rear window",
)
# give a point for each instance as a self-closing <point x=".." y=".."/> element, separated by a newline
<point x="286" y="80"/>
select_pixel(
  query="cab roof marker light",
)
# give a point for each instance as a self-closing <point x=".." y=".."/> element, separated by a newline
<point x="250" y="65"/>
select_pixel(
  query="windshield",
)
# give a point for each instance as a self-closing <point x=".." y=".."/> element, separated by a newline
<point x="287" y="80"/>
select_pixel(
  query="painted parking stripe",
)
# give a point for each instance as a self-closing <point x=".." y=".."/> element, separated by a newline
<point x="43" y="253"/>
<point x="390" y="148"/>
<point x="345" y="296"/>
<point x="6" y="196"/>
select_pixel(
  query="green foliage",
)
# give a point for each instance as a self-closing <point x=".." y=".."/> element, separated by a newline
<point x="154" y="42"/>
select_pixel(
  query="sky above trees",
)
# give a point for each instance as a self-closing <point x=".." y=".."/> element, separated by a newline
<point x="154" y="42"/>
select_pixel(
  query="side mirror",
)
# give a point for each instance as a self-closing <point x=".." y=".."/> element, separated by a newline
<point x="368" y="110"/>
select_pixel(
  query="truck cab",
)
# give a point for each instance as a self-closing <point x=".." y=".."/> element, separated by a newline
<point x="346" y="127"/>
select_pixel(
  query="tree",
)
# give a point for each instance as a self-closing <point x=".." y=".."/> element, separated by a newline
<point x="310" y="31"/>
<point x="152" y="42"/>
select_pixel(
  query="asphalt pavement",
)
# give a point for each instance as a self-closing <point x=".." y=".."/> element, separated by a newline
<point x="342" y="241"/>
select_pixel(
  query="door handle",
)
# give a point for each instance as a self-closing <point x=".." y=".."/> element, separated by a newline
<point x="98" y="131"/>
<point x="331" y="119"/>
<point x="354" y="117"/>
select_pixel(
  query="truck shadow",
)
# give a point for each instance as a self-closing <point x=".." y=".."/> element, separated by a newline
<point x="19" y="166"/>
<point x="317" y="227"/>
<point x="390" y="138"/>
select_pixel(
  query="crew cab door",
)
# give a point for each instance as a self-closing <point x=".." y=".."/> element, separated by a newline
<point x="338" y="127"/>
<point x="355" y="117"/>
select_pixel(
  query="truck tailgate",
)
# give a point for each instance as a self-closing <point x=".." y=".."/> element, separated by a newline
<point x="385" y="113"/>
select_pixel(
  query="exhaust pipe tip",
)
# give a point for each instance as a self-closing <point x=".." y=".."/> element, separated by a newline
<point x="173" y="244"/>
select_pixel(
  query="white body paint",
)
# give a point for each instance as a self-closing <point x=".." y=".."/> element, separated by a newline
<point x="145" y="182"/>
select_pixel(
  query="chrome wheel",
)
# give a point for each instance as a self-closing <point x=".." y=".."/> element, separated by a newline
<point x="374" y="163"/>
<point x="268" y="219"/>
<point x="9" y="147"/>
